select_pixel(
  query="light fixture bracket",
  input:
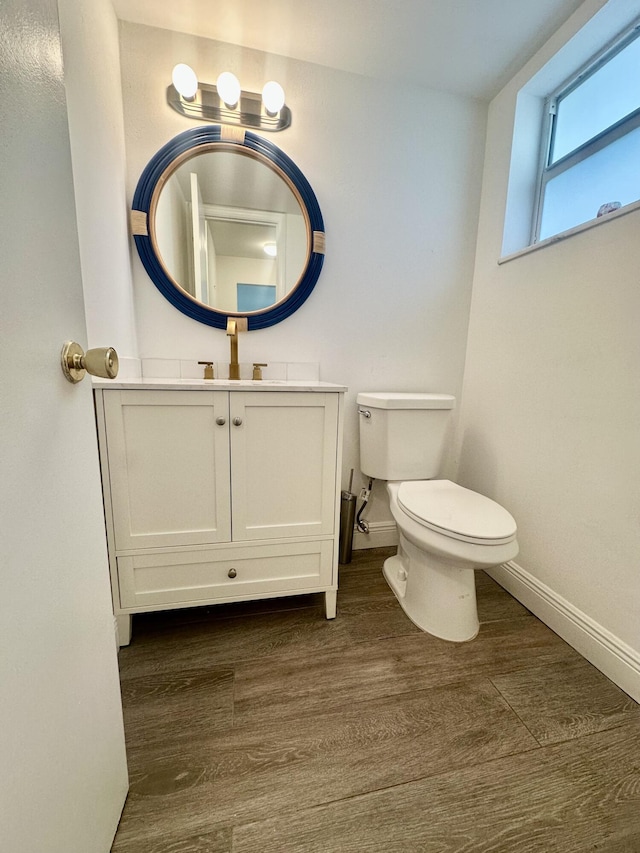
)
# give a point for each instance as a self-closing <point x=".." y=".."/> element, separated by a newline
<point x="207" y="105"/>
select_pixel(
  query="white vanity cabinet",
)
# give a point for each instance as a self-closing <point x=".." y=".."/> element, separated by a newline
<point x="216" y="495"/>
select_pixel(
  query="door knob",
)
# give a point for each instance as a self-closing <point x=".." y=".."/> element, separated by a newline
<point x="102" y="362"/>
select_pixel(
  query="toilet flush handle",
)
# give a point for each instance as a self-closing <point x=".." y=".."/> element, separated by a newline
<point x="365" y="413"/>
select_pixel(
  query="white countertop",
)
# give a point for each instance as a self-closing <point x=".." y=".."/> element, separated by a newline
<point x="217" y="385"/>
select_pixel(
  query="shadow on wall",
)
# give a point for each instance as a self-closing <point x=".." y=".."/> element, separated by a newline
<point x="477" y="465"/>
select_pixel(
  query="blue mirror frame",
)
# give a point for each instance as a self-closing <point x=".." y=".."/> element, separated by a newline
<point x="162" y="164"/>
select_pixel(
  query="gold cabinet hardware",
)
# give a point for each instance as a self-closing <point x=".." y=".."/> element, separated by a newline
<point x="232" y="573"/>
<point x="208" y="369"/>
<point x="237" y="421"/>
<point x="257" y="369"/>
<point x="75" y="362"/>
<point x="221" y="421"/>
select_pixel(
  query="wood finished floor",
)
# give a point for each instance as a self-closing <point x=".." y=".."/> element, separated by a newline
<point x="264" y="728"/>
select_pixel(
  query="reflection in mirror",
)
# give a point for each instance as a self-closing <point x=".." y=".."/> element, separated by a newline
<point x="231" y="232"/>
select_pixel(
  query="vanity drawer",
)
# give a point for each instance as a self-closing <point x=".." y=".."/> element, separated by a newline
<point x="205" y="575"/>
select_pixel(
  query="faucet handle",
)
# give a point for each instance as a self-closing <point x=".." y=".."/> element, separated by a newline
<point x="208" y="369"/>
<point x="257" y="369"/>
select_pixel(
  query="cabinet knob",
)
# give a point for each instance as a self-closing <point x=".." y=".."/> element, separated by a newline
<point x="232" y="573"/>
<point x="237" y="421"/>
<point x="221" y="421"/>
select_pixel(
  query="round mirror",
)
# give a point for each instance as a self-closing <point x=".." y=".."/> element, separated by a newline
<point x="228" y="228"/>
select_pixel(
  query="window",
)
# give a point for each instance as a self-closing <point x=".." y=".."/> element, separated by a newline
<point x="591" y="162"/>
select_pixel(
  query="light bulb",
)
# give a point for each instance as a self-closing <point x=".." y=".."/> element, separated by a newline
<point x="273" y="97"/>
<point x="184" y="79"/>
<point x="228" y="87"/>
<point x="270" y="249"/>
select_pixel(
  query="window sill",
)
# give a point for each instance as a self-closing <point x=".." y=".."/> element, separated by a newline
<point x="563" y="235"/>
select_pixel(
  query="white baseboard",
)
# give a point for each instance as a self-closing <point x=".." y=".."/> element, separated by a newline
<point x="604" y="650"/>
<point x="382" y="534"/>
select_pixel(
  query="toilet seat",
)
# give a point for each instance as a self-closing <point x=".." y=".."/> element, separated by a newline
<point x="456" y="512"/>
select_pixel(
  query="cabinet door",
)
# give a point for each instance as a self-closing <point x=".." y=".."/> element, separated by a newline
<point x="283" y="459"/>
<point x="169" y="467"/>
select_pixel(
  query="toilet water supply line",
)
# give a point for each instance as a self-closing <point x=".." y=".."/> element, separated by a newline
<point x="361" y="524"/>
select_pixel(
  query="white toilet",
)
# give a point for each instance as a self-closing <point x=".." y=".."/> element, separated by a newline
<point x="446" y="531"/>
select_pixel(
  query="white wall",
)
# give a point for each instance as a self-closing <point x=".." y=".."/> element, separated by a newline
<point x="398" y="183"/>
<point x="172" y="233"/>
<point x="232" y="271"/>
<point x="89" y="31"/>
<point x="551" y="408"/>
<point x="295" y="255"/>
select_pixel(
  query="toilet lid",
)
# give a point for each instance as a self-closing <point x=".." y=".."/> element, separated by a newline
<point x="457" y="512"/>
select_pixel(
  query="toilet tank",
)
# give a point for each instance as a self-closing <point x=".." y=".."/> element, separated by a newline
<point x="403" y="436"/>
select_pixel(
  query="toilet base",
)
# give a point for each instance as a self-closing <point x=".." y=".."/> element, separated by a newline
<point x="438" y="595"/>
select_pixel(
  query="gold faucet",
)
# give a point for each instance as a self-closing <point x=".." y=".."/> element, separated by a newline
<point x="235" y="325"/>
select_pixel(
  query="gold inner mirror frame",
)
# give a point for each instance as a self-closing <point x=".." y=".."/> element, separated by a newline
<point x="281" y="290"/>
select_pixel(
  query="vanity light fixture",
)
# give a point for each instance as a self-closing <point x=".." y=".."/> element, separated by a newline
<point x="226" y="102"/>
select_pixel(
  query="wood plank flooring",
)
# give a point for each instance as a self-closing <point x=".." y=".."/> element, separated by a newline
<point x="263" y="728"/>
